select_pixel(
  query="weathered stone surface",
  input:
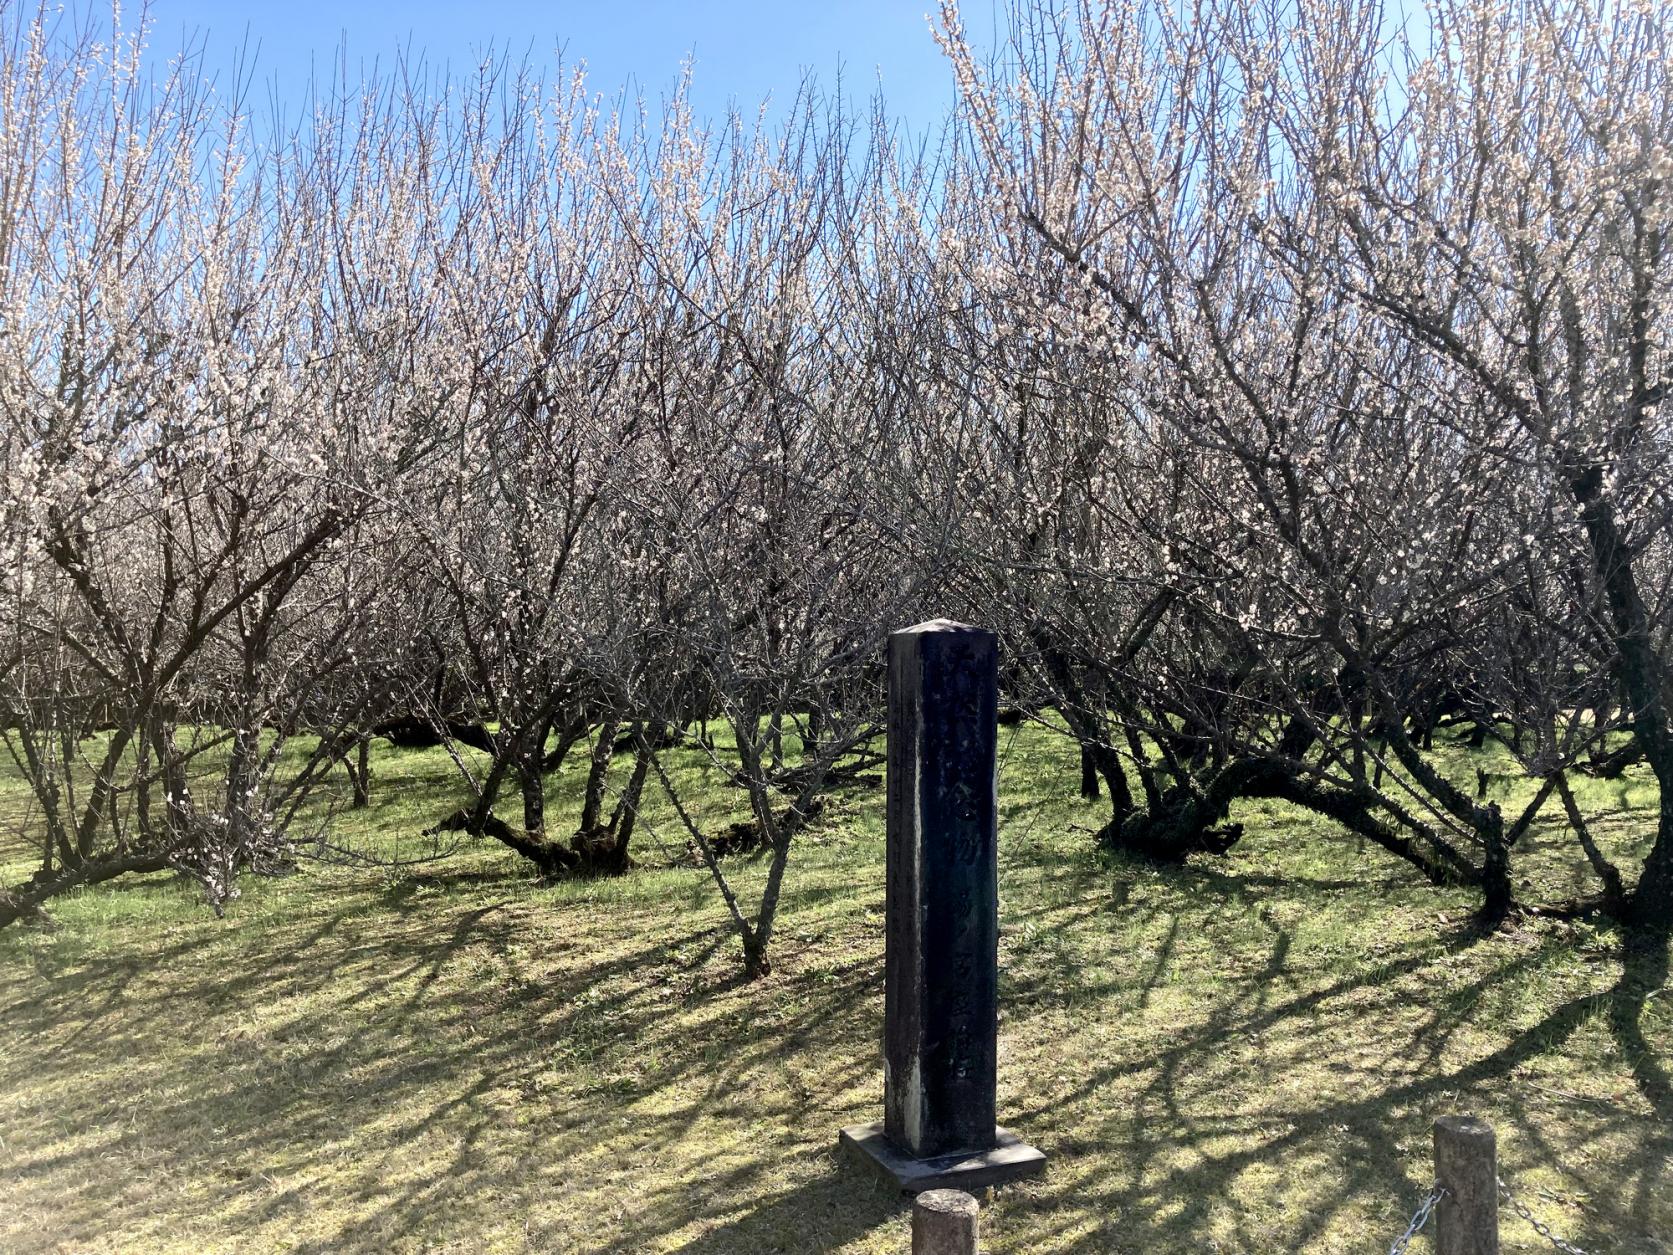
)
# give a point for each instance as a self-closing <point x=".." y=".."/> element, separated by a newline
<point x="1006" y="1160"/>
<point x="945" y="1222"/>
<point x="941" y="1000"/>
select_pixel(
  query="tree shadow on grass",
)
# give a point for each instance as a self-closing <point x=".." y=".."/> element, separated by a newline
<point x="1168" y="1211"/>
<point x="827" y="1211"/>
<point x="453" y="1026"/>
<point x="418" y="1077"/>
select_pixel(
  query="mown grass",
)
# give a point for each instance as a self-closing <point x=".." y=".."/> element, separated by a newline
<point x="1238" y="1055"/>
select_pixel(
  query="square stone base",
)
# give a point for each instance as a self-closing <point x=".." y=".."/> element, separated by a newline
<point x="1010" y="1158"/>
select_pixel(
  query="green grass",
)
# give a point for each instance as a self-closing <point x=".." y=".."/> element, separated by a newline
<point x="1239" y="1055"/>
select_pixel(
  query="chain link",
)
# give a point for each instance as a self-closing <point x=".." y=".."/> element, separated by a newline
<point x="1419" y="1218"/>
<point x="1520" y="1208"/>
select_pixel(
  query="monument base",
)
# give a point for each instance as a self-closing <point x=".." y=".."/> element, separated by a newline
<point x="1010" y="1158"/>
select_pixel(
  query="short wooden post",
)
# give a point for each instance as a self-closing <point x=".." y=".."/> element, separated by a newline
<point x="944" y="1222"/>
<point x="1467" y="1168"/>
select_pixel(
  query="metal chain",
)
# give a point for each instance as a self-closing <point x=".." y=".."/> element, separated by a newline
<point x="1419" y="1218"/>
<point x="1517" y="1206"/>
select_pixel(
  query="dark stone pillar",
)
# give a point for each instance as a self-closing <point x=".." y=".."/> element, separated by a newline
<point x="941" y="1000"/>
<point x="941" y="1006"/>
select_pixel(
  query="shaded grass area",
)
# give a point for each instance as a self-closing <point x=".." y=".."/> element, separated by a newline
<point x="1238" y="1055"/>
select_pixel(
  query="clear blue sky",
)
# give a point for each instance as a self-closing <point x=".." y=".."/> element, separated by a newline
<point x="743" y="50"/>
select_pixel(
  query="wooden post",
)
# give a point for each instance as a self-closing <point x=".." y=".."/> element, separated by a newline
<point x="1467" y="1168"/>
<point x="945" y="1222"/>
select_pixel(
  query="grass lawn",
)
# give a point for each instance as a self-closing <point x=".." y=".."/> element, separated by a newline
<point x="1240" y="1055"/>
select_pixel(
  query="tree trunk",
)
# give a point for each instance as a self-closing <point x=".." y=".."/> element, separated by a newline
<point x="25" y="901"/>
<point x="1495" y="871"/>
<point x="756" y="964"/>
<point x="1613" y="765"/>
<point x="483" y="809"/>
<point x="241" y="785"/>
<point x="568" y="734"/>
<point x="1641" y="674"/>
<point x="361" y="774"/>
<point x="626" y="815"/>
<point x="172" y="770"/>
<point x="1087" y="729"/>
<point x="597" y="772"/>
<point x="531" y="778"/>
<point x="1088" y="775"/>
<point x="1652" y="902"/>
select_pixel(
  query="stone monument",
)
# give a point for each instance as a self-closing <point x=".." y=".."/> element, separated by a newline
<point x="941" y="997"/>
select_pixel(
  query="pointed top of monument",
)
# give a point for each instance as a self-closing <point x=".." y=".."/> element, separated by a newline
<point x="938" y="625"/>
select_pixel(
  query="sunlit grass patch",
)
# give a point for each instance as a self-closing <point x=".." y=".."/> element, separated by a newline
<point x="1240" y="1054"/>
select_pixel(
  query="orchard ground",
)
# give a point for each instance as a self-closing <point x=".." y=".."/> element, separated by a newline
<point x="1241" y="1054"/>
